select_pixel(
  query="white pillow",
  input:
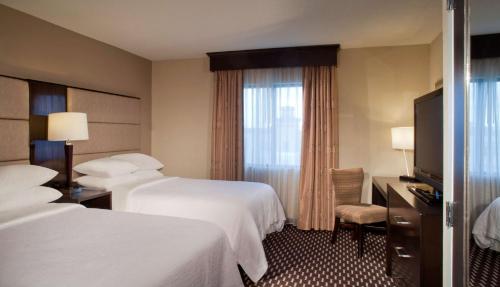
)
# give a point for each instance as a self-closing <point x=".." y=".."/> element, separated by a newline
<point x="142" y="161"/>
<point x="105" y="167"/>
<point x="28" y="197"/>
<point x="107" y="183"/>
<point x="23" y="176"/>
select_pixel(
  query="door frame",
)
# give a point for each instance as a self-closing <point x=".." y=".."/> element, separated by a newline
<point x="455" y="71"/>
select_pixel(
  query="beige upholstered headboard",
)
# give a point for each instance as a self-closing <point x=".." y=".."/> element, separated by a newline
<point x="114" y="123"/>
<point x="14" y="121"/>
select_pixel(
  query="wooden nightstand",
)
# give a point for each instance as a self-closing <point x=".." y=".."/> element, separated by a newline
<point x="86" y="197"/>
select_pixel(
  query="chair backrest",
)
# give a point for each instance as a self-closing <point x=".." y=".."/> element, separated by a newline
<point x="347" y="185"/>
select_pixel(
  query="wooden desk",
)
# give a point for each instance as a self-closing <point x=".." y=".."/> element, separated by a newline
<point x="379" y="188"/>
<point x="414" y="234"/>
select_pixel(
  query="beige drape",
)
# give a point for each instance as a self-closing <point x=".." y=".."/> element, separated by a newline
<point x="227" y="126"/>
<point x="319" y="143"/>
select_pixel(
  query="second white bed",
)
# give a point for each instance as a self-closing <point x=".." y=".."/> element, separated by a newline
<point x="246" y="211"/>
<point x="59" y="244"/>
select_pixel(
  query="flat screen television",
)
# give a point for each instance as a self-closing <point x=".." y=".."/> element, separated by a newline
<point x="429" y="139"/>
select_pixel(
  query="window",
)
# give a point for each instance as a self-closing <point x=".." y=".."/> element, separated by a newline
<point x="272" y="125"/>
<point x="483" y="134"/>
<point x="484" y="126"/>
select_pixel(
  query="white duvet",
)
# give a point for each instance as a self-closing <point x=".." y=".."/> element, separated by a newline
<point x="487" y="227"/>
<point x="61" y="245"/>
<point x="246" y="211"/>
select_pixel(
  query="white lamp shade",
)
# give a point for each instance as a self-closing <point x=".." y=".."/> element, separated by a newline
<point x="402" y="138"/>
<point x="68" y="127"/>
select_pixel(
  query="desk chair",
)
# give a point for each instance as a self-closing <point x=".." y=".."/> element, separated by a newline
<point x="347" y="187"/>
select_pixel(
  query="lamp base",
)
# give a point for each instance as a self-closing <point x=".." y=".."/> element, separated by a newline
<point x="68" y="153"/>
<point x="408" y="178"/>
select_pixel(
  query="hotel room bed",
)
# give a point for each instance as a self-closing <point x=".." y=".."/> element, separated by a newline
<point x="486" y="229"/>
<point x="246" y="211"/>
<point x="68" y="245"/>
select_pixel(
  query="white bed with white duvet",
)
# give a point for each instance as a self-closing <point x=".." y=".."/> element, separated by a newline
<point x="486" y="229"/>
<point x="246" y="211"/>
<point x="55" y="244"/>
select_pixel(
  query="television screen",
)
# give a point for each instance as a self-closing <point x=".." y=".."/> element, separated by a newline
<point x="429" y="138"/>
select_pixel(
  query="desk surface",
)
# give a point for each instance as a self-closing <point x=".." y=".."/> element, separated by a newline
<point x="381" y="183"/>
<point x="399" y="186"/>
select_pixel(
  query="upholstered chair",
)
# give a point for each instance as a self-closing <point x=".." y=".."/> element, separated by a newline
<point x="347" y="187"/>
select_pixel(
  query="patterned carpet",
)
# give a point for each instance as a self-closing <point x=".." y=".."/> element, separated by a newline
<point x="484" y="267"/>
<point x="306" y="258"/>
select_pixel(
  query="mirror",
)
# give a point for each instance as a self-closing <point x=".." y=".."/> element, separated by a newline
<point x="483" y="143"/>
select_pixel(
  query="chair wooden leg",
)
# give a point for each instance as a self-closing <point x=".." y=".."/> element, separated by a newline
<point x="361" y="239"/>
<point x="335" y="230"/>
<point x="355" y="232"/>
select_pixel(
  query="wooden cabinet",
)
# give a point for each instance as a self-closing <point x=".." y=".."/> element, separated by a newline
<point x="87" y="197"/>
<point x="414" y="242"/>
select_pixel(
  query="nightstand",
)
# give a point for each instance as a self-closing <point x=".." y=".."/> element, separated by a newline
<point x="87" y="197"/>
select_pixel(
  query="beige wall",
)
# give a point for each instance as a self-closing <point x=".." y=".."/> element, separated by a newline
<point x="436" y="61"/>
<point x="34" y="49"/>
<point x="182" y="103"/>
<point x="376" y="91"/>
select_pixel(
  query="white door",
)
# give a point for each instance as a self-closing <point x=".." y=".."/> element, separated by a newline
<point x="455" y="238"/>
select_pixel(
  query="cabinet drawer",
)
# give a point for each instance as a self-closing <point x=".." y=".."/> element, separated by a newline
<point x="404" y="246"/>
<point x="404" y="250"/>
<point x="404" y="265"/>
<point x="414" y="239"/>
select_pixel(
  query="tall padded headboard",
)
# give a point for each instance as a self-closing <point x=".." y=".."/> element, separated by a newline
<point x="14" y="121"/>
<point x="114" y="123"/>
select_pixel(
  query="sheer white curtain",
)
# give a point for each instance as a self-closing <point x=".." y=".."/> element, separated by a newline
<point x="484" y="134"/>
<point x="272" y="113"/>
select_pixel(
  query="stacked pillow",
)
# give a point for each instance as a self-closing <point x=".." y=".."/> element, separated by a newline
<point x="142" y="161"/>
<point x="105" y="173"/>
<point x="20" y="186"/>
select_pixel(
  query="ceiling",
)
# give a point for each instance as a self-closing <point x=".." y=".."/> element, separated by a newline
<point x="173" y="29"/>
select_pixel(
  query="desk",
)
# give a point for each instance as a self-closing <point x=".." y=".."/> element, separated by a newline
<point x="414" y="233"/>
<point x="379" y="188"/>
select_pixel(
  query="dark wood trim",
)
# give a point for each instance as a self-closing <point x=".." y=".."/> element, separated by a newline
<point x="485" y="46"/>
<point x="108" y="93"/>
<point x="73" y="87"/>
<point x="12" y="77"/>
<point x="112" y="123"/>
<point x="13" y="119"/>
<point x="460" y="246"/>
<point x="322" y="55"/>
<point x="111" y="151"/>
<point x="46" y="98"/>
<point x="18" y="159"/>
<point x="45" y="83"/>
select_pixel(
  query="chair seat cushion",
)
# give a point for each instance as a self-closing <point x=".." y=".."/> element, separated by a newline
<point x="362" y="213"/>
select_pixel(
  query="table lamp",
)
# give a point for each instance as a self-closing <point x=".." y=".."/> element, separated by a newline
<point x="402" y="139"/>
<point x="68" y="127"/>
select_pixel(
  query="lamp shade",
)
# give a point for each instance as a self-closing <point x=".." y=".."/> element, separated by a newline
<point x="68" y="127"/>
<point x="402" y="138"/>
